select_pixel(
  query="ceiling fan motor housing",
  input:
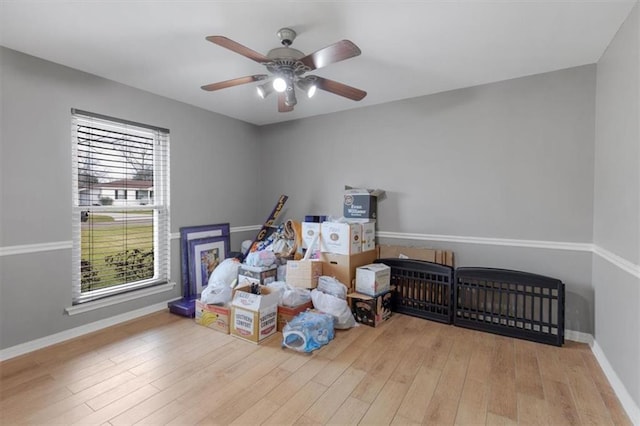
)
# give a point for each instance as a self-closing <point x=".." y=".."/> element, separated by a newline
<point x="286" y="36"/>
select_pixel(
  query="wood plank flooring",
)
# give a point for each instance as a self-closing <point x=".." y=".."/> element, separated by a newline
<point x="165" y="369"/>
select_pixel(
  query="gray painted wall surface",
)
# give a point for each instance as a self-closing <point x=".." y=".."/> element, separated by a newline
<point x="617" y="203"/>
<point x="507" y="160"/>
<point x="617" y="183"/>
<point x="207" y="186"/>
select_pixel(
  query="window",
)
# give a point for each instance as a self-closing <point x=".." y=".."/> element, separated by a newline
<point x="119" y="244"/>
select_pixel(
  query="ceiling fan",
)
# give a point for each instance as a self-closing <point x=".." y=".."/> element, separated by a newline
<point x="288" y="67"/>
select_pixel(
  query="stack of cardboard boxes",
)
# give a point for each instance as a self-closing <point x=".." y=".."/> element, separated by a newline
<point x="343" y="246"/>
<point x="345" y="250"/>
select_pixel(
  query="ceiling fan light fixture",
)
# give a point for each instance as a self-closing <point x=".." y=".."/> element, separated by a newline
<point x="311" y="91"/>
<point x="264" y="90"/>
<point x="307" y="86"/>
<point x="279" y="84"/>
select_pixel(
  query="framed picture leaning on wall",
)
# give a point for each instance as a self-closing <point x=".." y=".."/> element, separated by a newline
<point x="204" y="255"/>
<point x="214" y="238"/>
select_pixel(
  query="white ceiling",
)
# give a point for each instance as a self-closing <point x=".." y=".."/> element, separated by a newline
<point x="409" y="48"/>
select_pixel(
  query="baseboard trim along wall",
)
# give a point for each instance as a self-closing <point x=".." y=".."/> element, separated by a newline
<point x="578" y="336"/>
<point x="629" y="405"/>
<point x="72" y="333"/>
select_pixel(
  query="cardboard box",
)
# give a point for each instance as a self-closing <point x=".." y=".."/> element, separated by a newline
<point x="254" y="317"/>
<point x="370" y="310"/>
<point x="368" y="236"/>
<point x="286" y="313"/>
<point x="360" y="203"/>
<point x="340" y="238"/>
<point x="303" y="273"/>
<point x="310" y="230"/>
<point x="213" y="316"/>
<point x="442" y="257"/>
<point x="256" y="275"/>
<point x="373" y="279"/>
<point x="343" y="267"/>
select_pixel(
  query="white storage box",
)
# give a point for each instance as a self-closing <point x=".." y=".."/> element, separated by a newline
<point x="341" y="238"/>
<point x="373" y="279"/>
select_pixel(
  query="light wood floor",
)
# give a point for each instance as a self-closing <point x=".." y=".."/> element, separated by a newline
<point x="165" y="369"/>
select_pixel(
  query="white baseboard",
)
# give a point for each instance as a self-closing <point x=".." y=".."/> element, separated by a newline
<point x="34" y="345"/>
<point x="629" y="405"/>
<point x="579" y="336"/>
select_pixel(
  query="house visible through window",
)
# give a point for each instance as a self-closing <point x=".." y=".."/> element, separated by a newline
<point x="120" y="243"/>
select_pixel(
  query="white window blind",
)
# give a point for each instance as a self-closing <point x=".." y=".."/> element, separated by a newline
<point x="120" y="206"/>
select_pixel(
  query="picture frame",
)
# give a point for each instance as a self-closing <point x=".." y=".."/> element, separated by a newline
<point x="204" y="255"/>
<point x="190" y="233"/>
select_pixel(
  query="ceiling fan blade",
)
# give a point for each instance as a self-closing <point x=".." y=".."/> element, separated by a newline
<point x="340" y="89"/>
<point x="238" y="48"/>
<point x="234" y="82"/>
<point x="336" y="52"/>
<point x="282" y="106"/>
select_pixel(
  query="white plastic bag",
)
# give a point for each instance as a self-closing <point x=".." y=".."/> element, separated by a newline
<point x="216" y="293"/>
<point x="226" y="272"/>
<point x="330" y="285"/>
<point x="294" y="296"/>
<point x="335" y="306"/>
<point x="262" y="258"/>
<point x="280" y="287"/>
<point x="290" y="296"/>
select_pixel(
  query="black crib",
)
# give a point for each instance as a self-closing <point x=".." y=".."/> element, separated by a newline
<point x="510" y="303"/>
<point x="422" y="289"/>
<point x="506" y="302"/>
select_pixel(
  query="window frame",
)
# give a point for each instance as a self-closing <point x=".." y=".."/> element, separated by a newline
<point x="160" y="207"/>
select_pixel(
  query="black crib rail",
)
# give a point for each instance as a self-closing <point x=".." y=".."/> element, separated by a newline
<point x="422" y="289"/>
<point x="501" y="301"/>
<point x="510" y="303"/>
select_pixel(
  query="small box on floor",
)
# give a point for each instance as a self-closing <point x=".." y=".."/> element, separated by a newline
<point x="303" y="273"/>
<point x="213" y="316"/>
<point x="254" y="316"/>
<point x="373" y="279"/>
<point x="286" y="313"/>
<point x="370" y="310"/>
<point x="256" y="275"/>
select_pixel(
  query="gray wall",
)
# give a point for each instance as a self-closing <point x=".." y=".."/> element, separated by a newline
<point x="617" y="203"/>
<point x="507" y="160"/>
<point x="35" y="174"/>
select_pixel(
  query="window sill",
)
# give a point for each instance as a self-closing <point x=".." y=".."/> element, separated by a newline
<point x="114" y="300"/>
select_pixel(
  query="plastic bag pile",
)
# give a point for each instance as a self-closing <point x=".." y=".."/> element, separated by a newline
<point x="330" y="297"/>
